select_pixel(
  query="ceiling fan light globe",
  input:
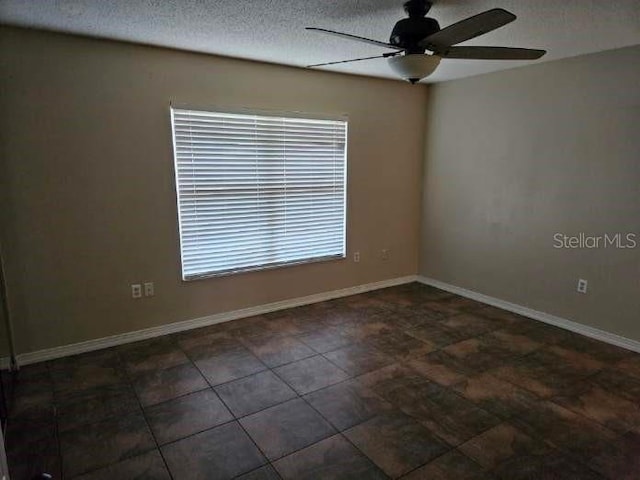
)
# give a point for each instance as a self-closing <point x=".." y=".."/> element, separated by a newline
<point x="414" y="67"/>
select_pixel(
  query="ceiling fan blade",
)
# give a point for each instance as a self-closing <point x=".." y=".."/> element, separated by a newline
<point x="467" y="29"/>
<point x="492" y="53"/>
<point x="348" y="36"/>
<point x="386" y="55"/>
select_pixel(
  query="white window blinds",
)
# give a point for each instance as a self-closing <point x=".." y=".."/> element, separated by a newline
<point x="257" y="191"/>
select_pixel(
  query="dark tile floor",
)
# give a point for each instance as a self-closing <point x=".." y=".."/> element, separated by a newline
<point x="406" y="382"/>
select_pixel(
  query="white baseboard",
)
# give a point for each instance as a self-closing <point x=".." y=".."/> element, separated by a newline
<point x="112" y="341"/>
<point x="580" y="328"/>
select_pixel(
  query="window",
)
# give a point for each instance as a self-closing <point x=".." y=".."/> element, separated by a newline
<point x="257" y="191"/>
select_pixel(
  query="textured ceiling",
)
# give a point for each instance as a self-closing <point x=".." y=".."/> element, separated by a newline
<point x="273" y="30"/>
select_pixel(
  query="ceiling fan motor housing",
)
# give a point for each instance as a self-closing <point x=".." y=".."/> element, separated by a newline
<point x="408" y="32"/>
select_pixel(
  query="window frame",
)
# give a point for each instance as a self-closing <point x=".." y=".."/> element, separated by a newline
<point x="265" y="113"/>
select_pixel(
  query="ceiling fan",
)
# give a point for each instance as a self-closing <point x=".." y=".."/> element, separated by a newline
<point x="412" y="37"/>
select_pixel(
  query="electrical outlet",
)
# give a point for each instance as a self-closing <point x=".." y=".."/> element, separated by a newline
<point x="384" y="254"/>
<point x="136" y="290"/>
<point x="148" y="289"/>
<point x="582" y="285"/>
<point x="356" y="257"/>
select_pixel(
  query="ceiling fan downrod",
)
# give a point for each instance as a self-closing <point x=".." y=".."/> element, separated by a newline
<point x="417" y="8"/>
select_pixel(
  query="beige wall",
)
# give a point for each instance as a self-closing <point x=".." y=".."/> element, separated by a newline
<point x="87" y="173"/>
<point x="517" y="156"/>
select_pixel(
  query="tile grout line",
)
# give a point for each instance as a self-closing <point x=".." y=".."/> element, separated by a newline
<point x="127" y="378"/>
<point x="297" y="394"/>
<point x="342" y="435"/>
<point x="339" y="432"/>
<point x="236" y="418"/>
<point x="142" y="411"/>
<point x="536" y="435"/>
<point x="233" y="416"/>
<point x="57" y="426"/>
<point x="560" y="450"/>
